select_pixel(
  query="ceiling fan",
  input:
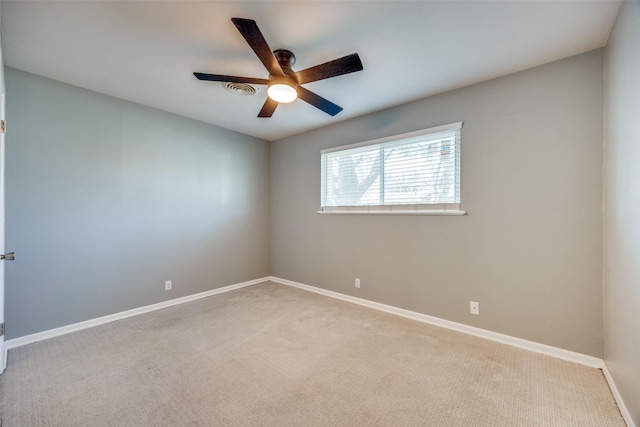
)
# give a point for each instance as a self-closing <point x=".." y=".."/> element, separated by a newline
<point x="285" y="85"/>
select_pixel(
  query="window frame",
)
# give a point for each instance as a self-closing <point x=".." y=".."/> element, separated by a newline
<point x="395" y="209"/>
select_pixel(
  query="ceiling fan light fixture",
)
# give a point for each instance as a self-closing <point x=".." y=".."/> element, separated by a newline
<point x="282" y="92"/>
<point x="284" y="85"/>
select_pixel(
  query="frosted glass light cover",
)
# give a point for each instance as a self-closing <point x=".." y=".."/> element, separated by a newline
<point x="282" y="93"/>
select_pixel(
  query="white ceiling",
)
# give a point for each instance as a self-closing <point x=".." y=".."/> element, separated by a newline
<point x="146" y="51"/>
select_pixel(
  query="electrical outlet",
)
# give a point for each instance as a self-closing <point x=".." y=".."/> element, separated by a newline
<point x="167" y="285"/>
<point x="357" y="283"/>
<point x="474" y="307"/>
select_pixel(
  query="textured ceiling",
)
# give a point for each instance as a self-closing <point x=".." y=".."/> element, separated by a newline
<point x="146" y="51"/>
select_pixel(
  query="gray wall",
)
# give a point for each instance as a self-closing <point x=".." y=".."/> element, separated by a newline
<point x="530" y="248"/>
<point x="107" y="199"/>
<point x="622" y="207"/>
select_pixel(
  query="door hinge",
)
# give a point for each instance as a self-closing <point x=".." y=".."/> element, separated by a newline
<point x="3" y="126"/>
<point x="1" y="329"/>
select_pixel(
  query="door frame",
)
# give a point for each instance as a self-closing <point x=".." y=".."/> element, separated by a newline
<point x="3" y="351"/>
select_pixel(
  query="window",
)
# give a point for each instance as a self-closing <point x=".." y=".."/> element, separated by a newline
<point x="417" y="172"/>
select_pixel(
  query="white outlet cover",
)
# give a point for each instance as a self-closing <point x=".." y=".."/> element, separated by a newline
<point x="474" y="307"/>
<point x="167" y="285"/>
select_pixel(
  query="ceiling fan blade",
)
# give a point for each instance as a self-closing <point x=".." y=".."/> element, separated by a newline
<point x="319" y="102"/>
<point x="337" y="67"/>
<point x="268" y="108"/>
<point x="230" y="79"/>
<point x="251" y="33"/>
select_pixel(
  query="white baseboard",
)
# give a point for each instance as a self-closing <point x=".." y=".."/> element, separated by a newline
<point x="616" y="395"/>
<point x="535" y="347"/>
<point x="548" y="350"/>
<point x="28" y="339"/>
<point x="559" y="353"/>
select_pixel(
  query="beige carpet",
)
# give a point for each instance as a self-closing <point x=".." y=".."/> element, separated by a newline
<point x="271" y="355"/>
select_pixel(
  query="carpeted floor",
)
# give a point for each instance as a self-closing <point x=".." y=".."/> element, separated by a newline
<point x="272" y="355"/>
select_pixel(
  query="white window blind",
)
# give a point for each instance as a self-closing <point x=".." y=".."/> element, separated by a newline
<point x="417" y="171"/>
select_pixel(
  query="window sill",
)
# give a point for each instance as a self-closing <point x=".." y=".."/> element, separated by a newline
<point x="432" y="212"/>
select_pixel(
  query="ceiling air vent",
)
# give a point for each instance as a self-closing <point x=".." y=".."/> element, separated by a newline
<point x="240" y="88"/>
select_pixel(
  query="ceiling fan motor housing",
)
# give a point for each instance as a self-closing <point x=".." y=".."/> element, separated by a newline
<point x="286" y="59"/>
